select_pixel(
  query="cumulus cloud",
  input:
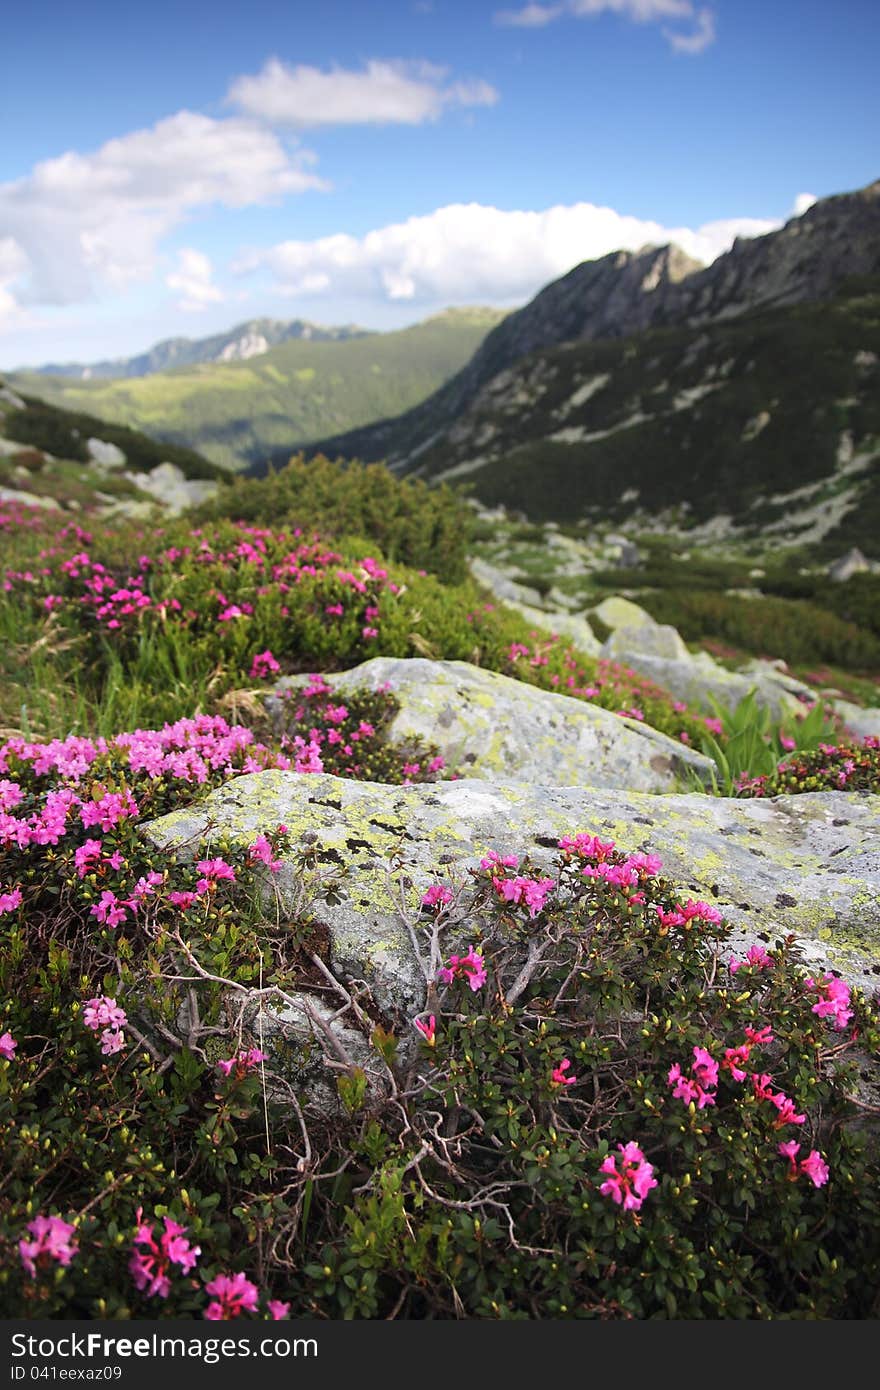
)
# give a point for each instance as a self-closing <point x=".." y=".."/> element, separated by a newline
<point x="470" y="253"/>
<point x="84" y="223"/>
<point x="803" y="202"/>
<point x="192" y="281"/>
<point x="383" y="93"/>
<point x="537" y="16"/>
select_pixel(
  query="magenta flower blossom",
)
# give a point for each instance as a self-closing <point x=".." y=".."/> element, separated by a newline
<point x="630" y="1185"/>
<point x="109" y="910"/>
<point x="756" y="958"/>
<point x="813" y="1166"/>
<point x="263" y="666"/>
<point x="150" y="1264"/>
<point x="701" y="1085"/>
<point x="277" y="1310"/>
<point x="427" y="1030"/>
<point x="51" y="1241"/>
<point x="10" y="901"/>
<point x="532" y="892"/>
<point x="103" y="1012"/>
<point x="242" y="1063"/>
<point x="787" y="1111"/>
<point x="233" y="1295"/>
<point x="436" y="896"/>
<point x="494" y="860"/>
<point x="471" y="967"/>
<point x="558" y="1076"/>
<point x="7" y="1046"/>
<point x="261" y="852"/>
<point x="834" y="999"/>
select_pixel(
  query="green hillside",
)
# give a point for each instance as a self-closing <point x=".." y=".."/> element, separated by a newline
<point x="240" y="413"/>
<point x="771" y="419"/>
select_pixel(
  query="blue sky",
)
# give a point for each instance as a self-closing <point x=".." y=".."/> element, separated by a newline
<point x="177" y="168"/>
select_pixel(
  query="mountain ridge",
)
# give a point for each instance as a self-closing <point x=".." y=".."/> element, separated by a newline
<point x="625" y="293"/>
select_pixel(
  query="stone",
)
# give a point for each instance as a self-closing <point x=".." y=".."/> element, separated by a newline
<point x="489" y="725"/>
<point x="853" y="562"/>
<point x="500" y="584"/>
<point x="807" y="865"/>
<point x="104" y="454"/>
<point x="860" y="721"/>
<point x="655" y="641"/>
<point x="615" y="612"/>
<point x="8" y="397"/>
<point x="169" y="486"/>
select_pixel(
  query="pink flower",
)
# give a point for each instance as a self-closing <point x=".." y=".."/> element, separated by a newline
<point x="278" y="1311"/>
<point x="149" y="1265"/>
<point x="436" y="896"/>
<point x="756" y="958"/>
<point x="558" y="1077"/>
<point x="233" y="1295"/>
<point x="264" y="665"/>
<point x="787" y="1111"/>
<point x="242" y="1063"/>
<point x="834" y="999"/>
<point x="816" y="1168"/>
<point x="112" y="1042"/>
<point x="10" y="901"/>
<point x="630" y="1186"/>
<point x="700" y="1085"/>
<point x="103" y="1012"/>
<point x="471" y="967"/>
<point x="51" y="1241"/>
<point x="427" y="1030"/>
<point x="261" y="852"/>
<point x="7" y="1046"/>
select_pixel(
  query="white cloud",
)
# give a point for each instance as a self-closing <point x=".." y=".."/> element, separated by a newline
<point x="383" y="93"/>
<point x="192" y="281"/>
<point x="803" y="202"/>
<point x="703" y="36"/>
<point x="530" y="16"/>
<point x="537" y="16"/>
<point x="469" y="253"/>
<point x="92" y="222"/>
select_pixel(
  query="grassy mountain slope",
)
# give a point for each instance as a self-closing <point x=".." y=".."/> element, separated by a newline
<point x="772" y="419"/>
<point x="241" y="413"/>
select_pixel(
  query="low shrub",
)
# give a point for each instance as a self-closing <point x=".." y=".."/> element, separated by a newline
<point x="600" y="1113"/>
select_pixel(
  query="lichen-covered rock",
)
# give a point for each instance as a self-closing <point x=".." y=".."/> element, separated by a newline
<point x="862" y="722"/>
<point x="105" y="454"/>
<point x="489" y="725"/>
<point x="615" y="611"/>
<point x="656" y="641"/>
<point x="808" y="865"/>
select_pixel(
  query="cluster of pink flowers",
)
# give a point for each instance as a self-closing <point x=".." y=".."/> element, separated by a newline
<point x="263" y="666"/>
<point x="9" y="901"/>
<point x="261" y="852"/>
<point x="813" y="1166"/>
<point x="152" y="1257"/>
<point x="105" y="1014"/>
<point x="242" y="1063"/>
<point x="834" y="999"/>
<point x="471" y="967"/>
<point x="629" y="1184"/>
<point x="700" y="1085"/>
<point x="51" y="1242"/>
<point x="7" y="1046"/>
<point x="437" y="896"/>
<point x="530" y="892"/>
<point x="756" y="959"/>
<point x="232" y="1295"/>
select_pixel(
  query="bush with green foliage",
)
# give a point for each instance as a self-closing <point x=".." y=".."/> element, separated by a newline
<point x="600" y="1113"/>
<point x="412" y="524"/>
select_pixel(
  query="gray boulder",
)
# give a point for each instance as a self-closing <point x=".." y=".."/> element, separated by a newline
<point x="807" y="865"/>
<point x="489" y="725"/>
<point x="104" y="454"/>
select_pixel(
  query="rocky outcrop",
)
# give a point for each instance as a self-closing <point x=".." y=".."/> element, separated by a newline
<point x="169" y="485"/>
<point x="629" y="292"/>
<point x="808" y="865"/>
<point x="489" y="725"/>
